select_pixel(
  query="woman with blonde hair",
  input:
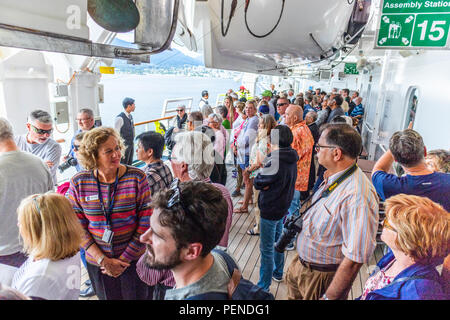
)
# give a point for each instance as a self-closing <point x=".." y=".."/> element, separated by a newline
<point x="112" y="202"/>
<point x="417" y="231"/>
<point x="258" y="153"/>
<point x="232" y="113"/>
<point x="51" y="236"/>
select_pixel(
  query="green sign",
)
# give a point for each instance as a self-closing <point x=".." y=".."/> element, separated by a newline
<point x="412" y="24"/>
<point x="416" y="6"/>
<point x="350" y="68"/>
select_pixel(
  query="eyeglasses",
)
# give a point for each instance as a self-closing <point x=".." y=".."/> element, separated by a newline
<point x="281" y="104"/>
<point x="387" y="225"/>
<point x="175" y="199"/>
<point x="317" y="147"/>
<point x="41" y="131"/>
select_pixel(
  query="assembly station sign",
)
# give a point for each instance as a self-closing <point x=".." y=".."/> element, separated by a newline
<point x="413" y="24"/>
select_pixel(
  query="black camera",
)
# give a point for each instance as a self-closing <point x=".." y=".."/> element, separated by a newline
<point x="292" y="227"/>
<point x="70" y="162"/>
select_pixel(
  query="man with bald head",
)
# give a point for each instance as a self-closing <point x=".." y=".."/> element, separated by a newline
<point x="303" y="143"/>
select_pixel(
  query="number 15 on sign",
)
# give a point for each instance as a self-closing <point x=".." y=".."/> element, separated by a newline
<point x="431" y="30"/>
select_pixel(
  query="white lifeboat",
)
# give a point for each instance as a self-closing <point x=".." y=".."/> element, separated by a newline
<point x="305" y="31"/>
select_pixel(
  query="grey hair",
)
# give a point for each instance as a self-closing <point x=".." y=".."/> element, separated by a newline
<point x="197" y="152"/>
<point x="313" y="115"/>
<point x="182" y="106"/>
<point x="206" y="111"/>
<point x="6" y="131"/>
<point x="87" y="111"/>
<point x="407" y="147"/>
<point x="215" y="117"/>
<point x="40" y="115"/>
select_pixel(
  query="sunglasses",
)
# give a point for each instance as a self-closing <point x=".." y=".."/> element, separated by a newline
<point x="75" y="147"/>
<point x="281" y="104"/>
<point x="179" y="110"/>
<point x="41" y="131"/>
<point x="175" y="200"/>
<point x="317" y="147"/>
<point x="387" y="225"/>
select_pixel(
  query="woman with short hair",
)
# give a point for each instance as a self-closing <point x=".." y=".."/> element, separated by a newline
<point x="51" y="236"/>
<point x="112" y="202"/>
<point x="417" y="230"/>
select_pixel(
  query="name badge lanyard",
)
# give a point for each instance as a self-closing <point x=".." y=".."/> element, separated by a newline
<point x="108" y="212"/>
<point x="331" y="188"/>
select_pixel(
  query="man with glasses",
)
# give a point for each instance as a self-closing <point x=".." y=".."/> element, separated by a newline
<point x="339" y="230"/>
<point x="85" y="120"/>
<point x="22" y="174"/>
<point x="38" y="142"/>
<point x="180" y="121"/>
<point x="124" y="124"/>
<point x="282" y="105"/>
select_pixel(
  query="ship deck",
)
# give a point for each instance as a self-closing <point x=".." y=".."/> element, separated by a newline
<point x="245" y="249"/>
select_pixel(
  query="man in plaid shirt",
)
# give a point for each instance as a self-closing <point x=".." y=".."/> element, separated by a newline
<point x="150" y="149"/>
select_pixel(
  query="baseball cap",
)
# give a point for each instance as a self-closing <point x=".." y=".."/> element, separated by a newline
<point x="127" y="101"/>
<point x="267" y="93"/>
<point x="204" y="93"/>
<point x="241" y="88"/>
<point x="264" y="109"/>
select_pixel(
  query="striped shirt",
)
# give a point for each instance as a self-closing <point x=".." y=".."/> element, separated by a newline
<point x="130" y="216"/>
<point x="344" y="224"/>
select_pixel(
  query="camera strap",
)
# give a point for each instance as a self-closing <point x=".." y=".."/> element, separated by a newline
<point x="332" y="187"/>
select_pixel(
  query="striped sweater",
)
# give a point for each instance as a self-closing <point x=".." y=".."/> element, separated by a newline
<point x="130" y="215"/>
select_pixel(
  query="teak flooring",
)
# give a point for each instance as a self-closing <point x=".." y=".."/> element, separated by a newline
<point x="245" y="249"/>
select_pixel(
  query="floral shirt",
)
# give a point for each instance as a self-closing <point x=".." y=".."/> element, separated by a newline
<point x="303" y="143"/>
<point x="377" y="281"/>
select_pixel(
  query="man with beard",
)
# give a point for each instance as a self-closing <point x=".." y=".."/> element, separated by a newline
<point x="187" y="223"/>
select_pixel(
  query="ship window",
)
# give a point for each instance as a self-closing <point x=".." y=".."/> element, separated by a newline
<point x="413" y="100"/>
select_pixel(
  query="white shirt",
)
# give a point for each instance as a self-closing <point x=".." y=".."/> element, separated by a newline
<point x="119" y="121"/>
<point x="50" y="280"/>
<point x="202" y="103"/>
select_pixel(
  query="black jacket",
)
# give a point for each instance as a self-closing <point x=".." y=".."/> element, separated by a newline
<point x="279" y="174"/>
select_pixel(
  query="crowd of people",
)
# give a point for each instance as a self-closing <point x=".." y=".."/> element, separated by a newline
<point x="162" y="231"/>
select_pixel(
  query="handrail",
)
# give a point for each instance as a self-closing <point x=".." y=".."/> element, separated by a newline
<point x="154" y="120"/>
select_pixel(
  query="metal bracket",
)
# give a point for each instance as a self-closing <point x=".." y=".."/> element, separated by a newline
<point x="17" y="37"/>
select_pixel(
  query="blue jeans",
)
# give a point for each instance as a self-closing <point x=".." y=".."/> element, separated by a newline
<point x="295" y="205"/>
<point x="83" y="257"/>
<point x="272" y="262"/>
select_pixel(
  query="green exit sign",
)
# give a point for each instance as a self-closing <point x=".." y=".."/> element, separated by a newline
<point x="350" y="68"/>
<point x="413" y="24"/>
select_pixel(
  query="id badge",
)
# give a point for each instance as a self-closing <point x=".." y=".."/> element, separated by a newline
<point x="108" y="236"/>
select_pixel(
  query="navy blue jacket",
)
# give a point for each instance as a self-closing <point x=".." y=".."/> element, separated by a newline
<point x="417" y="282"/>
<point x="279" y="174"/>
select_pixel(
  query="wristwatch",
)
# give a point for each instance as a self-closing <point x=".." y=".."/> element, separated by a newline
<point x="100" y="260"/>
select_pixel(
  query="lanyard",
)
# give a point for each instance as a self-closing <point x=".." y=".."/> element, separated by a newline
<point x="331" y="188"/>
<point x="111" y="202"/>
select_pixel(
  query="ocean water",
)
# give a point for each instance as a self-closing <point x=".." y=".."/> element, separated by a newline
<point x="150" y="91"/>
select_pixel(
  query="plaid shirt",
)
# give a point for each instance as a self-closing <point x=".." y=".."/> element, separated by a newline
<point x="159" y="176"/>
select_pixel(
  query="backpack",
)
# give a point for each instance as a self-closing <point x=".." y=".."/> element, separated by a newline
<point x="238" y="287"/>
